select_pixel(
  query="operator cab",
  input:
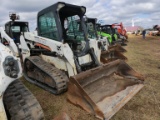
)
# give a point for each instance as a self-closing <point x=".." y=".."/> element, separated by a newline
<point x="107" y="29"/>
<point x="64" y="23"/>
<point x="14" y="28"/>
<point x="98" y="27"/>
<point x="115" y="31"/>
<point x="91" y="27"/>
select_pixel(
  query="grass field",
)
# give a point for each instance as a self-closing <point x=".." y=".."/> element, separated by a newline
<point x="144" y="57"/>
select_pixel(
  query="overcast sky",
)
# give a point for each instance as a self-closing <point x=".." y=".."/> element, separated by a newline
<point x="144" y="12"/>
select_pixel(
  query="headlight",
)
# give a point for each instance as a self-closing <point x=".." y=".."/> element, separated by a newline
<point x="11" y="67"/>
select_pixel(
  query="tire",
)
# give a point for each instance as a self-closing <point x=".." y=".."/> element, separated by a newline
<point x="20" y="103"/>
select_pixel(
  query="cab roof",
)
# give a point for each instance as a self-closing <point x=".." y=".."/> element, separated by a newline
<point x="65" y="9"/>
<point x="17" y="22"/>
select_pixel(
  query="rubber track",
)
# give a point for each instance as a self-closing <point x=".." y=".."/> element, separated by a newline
<point x="20" y="104"/>
<point x="58" y="76"/>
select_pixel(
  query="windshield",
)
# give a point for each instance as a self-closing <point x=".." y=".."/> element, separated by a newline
<point x="25" y="29"/>
<point x="115" y="31"/>
<point x="98" y="27"/>
<point x="91" y="30"/>
<point x="74" y="30"/>
<point x="15" y="28"/>
<point x="18" y="29"/>
<point x="107" y="29"/>
<point x="74" y="33"/>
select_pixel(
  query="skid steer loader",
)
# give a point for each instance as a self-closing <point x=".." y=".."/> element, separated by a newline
<point x="122" y="33"/>
<point x="106" y="54"/>
<point x="107" y="30"/>
<point x="62" y="57"/>
<point x="16" y="101"/>
<point x="111" y="45"/>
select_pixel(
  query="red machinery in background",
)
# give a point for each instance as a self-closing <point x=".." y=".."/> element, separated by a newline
<point x="121" y="30"/>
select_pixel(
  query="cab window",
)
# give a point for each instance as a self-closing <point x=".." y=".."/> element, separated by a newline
<point x="91" y="30"/>
<point x="75" y="30"/>
<point x="15" y="29"/>
<point x="47" y="26"/>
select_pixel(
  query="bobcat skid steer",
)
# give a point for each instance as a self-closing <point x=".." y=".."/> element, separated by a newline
<point x="16" y="101"/>
<point x="110" y="43"/>
<point x="106" y="54"/>
<point x="62" y="57"/>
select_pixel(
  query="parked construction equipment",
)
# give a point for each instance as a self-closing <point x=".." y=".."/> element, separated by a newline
<point x="121" y="30"/>
<point x="109" y="34"/>
<point x="107" y="55"/>
<point x="156" y="27"/>
<point x="62" y="57"/>
<point x="108" y="31"/>
<point x="16" y="101"/>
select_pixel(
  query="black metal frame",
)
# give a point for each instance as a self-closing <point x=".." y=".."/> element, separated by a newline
<point x="12" y="23"/>
<point x="60" y="14"/>
<point x="93" y="21"/>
